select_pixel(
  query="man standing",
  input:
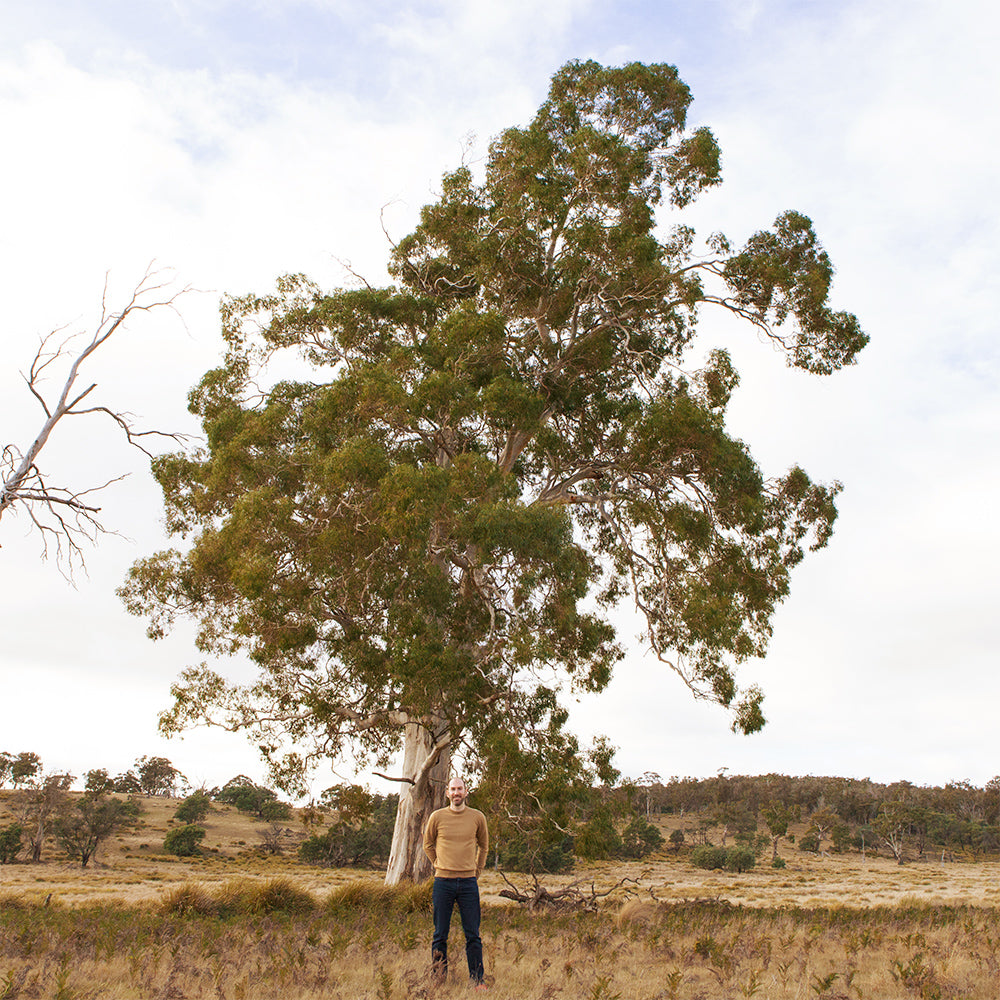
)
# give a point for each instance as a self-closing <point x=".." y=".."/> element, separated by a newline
<point x="456" y="840"/>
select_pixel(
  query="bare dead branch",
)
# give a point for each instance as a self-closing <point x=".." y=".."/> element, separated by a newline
<point x="568" y="897"/>
<point x="58" y="512"/>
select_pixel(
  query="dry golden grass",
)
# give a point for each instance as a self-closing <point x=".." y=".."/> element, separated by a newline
<point x="235" y="924"/>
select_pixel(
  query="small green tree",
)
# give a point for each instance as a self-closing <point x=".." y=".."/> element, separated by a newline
<point x="194" y="808"/>
<point x="184" y="840"/>
<point x="598" y="837"/>
<point x="87" y="821"/>
<point x="11" y="842"/>
<point x="777" y="816"/>
<point x="24" y="768"/>
<point x="640" y="838"/>
<point x="709" y="857"/>
<point x="157" y="776"/>
<point x="249" y="797"/>
<point x="97" y="782"/>
<point x="37" y="805"/>
<point x="676" y="839"/>
<point x="740" y="859"/>
<point x="127" y="783"/>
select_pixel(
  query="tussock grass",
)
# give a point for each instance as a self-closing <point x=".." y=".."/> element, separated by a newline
<point x="249" y="940"/>
<point x="239" y="897"/>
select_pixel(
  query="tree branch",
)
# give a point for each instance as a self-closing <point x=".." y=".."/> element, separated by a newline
<point x="24" y="487"/>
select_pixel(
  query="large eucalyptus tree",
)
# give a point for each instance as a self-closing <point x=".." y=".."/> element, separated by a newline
<point x="425" y="540"/>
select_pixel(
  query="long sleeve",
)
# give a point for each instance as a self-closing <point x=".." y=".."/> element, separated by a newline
<point x="430" y="839"/>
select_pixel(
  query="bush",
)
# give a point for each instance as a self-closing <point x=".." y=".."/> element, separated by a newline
<point x="677" y="839"/>
<point x="641" y="838"/>
<point x="598" y="839"/>
<point x="735" y="859"/>
<point x="778" y="863"/>
<point x="369" y="897"/>
<point x="273" y="810"/>
<point x="740" y="859"/>
<point x="355" y="844"/>
<point x="10" y="843"/>
<point x="252" y="798"/>
<point x="809" y="842"/>
<point x="184" y="840"/>
<point x="194" y="808"/>
<point x="522" y="853"/>
<point x="711" y="858"/>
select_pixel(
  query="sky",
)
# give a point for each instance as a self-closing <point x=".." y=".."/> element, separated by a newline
<point x="228" y="143"/>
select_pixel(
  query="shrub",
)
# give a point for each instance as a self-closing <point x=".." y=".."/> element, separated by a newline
<point x="194" y="808"/>
<point x="252" y="798"/>
<point x="740" y="859"/>
<point x="523" y="853"/>
<point x="184" y="840"/>
<point x="677" y="839"/>
<point x="598" y="838"/>
<point x="809" y="841"/>
<point x="641" y="838"/>
<point x="736" y="859"/>
<point x="709" y="857"/>
<point x="10" y="843"/>
<point x="778" y="863"/>
<point x="273" y="809"/>
<point x="347" y="844"/>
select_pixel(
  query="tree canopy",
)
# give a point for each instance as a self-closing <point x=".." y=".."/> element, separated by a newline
<point x="424" y="540"/>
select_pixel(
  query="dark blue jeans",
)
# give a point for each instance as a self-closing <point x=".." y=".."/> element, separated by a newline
<point x="465" y="892"/>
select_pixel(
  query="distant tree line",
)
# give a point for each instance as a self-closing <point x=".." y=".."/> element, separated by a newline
<point x="840" y="814"/>
<point x="149" y="776"/>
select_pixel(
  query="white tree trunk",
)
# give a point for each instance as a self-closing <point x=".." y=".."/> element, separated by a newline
<point x="426" y="766"/>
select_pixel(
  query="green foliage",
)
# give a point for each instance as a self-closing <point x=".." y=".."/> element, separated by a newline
<point x="640" y="838"/>
<point x="736" y="859"/>
<point x="194" y="808"/>
<point x="91" y="819"/>
<point x="519" y="853"/>
<point x="537" y="790"/>
<point x="778" y="863"/>
<point x="362" y="834"/>
<point x="677" y="839"/>
<point x="128" y="782"/>
<point x="740" y="859"/>
<point x="184" y="840"/>
<point x="10" y="842"/>
<point x="156" y="775"/>
<point x="809" y="841"/>
<point x="433" y="528"/>
<point x="24" y="768"/>
<point x="598" y="837"/>
<point x="252" y="798"/>
<point x="713" y="858"/>
<point x="97" y="782"/>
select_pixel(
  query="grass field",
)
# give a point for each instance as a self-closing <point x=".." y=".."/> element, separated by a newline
<point x="234" y="923"/>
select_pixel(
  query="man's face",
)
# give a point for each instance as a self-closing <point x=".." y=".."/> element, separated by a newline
<point x="457" y="792"/>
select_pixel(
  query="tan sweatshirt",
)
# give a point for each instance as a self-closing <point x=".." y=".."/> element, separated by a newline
<point x="457" y="842"/>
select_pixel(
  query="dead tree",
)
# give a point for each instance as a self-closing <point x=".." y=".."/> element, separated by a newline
<point x="573" y="896"/>
<point x="66" y="517"/>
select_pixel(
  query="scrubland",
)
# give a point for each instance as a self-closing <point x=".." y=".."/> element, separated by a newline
<point x="236" y="924"/>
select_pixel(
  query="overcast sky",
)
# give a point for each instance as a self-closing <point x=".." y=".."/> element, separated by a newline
<point x="233" y="142"/>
